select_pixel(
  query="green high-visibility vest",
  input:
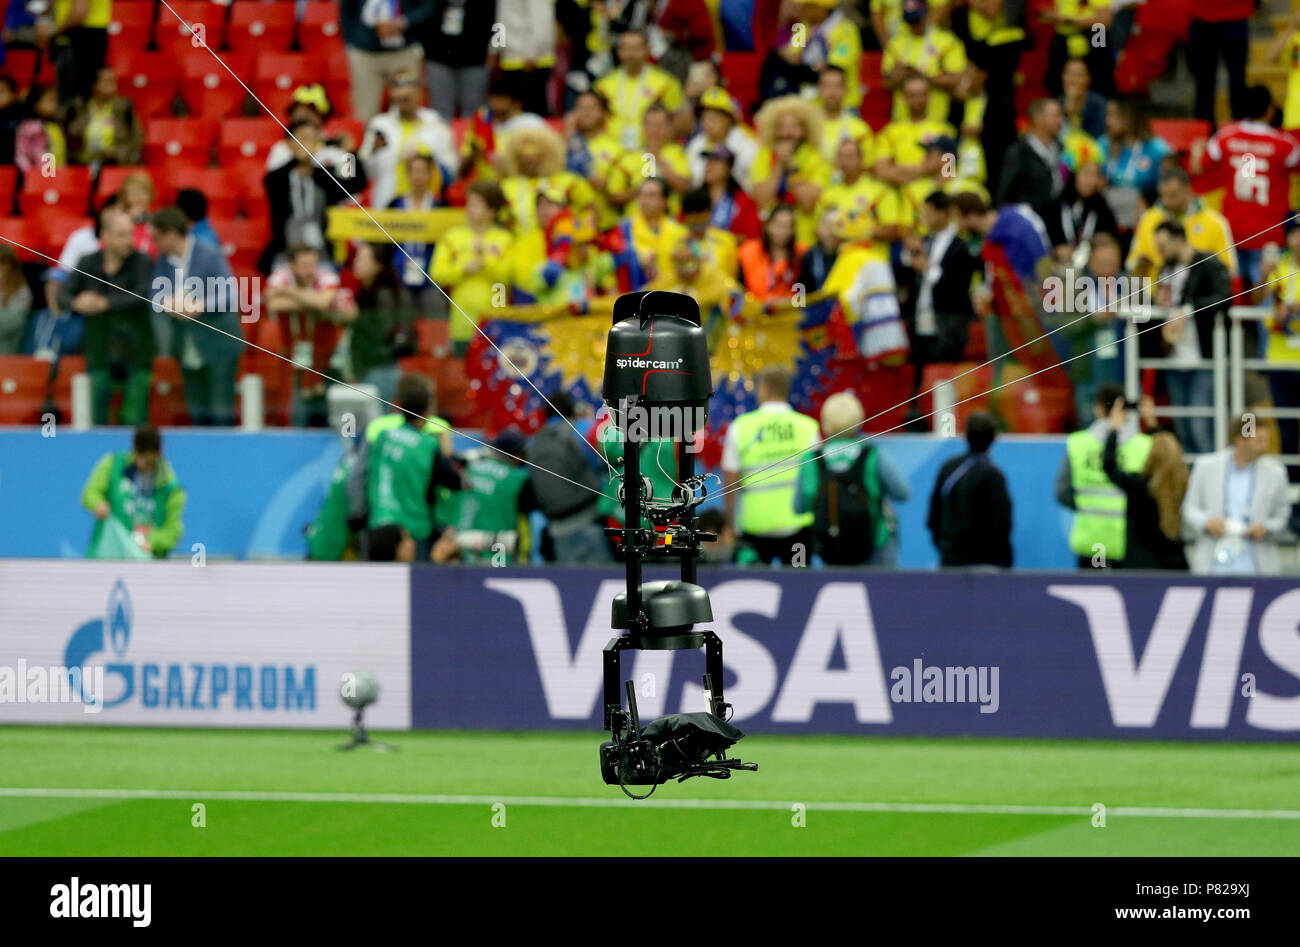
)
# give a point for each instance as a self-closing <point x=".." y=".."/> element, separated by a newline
<point x="765" y="437"/>
<point x="401" y="465"/>
<point x="1100" y="506"/>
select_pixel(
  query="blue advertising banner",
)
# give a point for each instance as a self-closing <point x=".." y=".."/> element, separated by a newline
<point x="1044" y="655"/>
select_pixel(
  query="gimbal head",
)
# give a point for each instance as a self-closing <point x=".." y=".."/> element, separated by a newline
<point x="657" y="378"/>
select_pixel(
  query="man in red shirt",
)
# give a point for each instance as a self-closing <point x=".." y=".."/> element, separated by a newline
<point x="304" y="296"/>
<point x="1254" y="162"/>
<point x="1219" y="28"/>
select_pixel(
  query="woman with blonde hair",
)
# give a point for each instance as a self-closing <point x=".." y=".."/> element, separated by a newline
<point x="1153" y="522"/>
<point x="789" y="168"/>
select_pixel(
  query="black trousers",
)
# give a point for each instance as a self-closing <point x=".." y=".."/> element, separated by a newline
<point x="1207" y="42"/>
<point x="78" y="57"/>
<point x="763" y="549"/>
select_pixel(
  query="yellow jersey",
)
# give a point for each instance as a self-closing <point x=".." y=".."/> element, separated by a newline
<point x="849" y="126"/>
<point x="473" y="293"/>
<point x="629" y="97"/>
<point x="933" y="53"/>
<point x="1207" y="232"/>
<point x="1291" y="111"/>
<point x="864" y="206"/>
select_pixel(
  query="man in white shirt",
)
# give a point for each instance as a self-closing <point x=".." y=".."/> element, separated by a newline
<point x="405" y="129"/>
<point x="1236" y="505"/>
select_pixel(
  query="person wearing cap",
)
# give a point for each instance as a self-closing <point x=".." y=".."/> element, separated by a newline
<point x="926" y="50"/>
<point x="789" y="167"/>
<point x="869" y="210"/>
<point x="909" y="152"/>
<point x="838" y="123"/>
<point x="733" y="209"/>
<point x="470" y="259"/>
<point x="634" y="86"/>
<point x="829" y="37"/>
<point x="407" y="128"/>
<point x="721" y="127"/>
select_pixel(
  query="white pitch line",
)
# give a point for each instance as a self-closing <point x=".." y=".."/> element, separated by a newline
<point x="617" y="802"/>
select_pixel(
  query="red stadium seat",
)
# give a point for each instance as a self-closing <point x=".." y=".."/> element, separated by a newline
<point x="263" y="27"/>
<point x="8" y="188"/>
<point x="1180" y="133"/>
<point x="173" y="35"/>
<point x="351" y="126"/>
<point x="968" y="380"/>
<point x="20" y="66"/>
<point x="130" y="28"/>
<point x="869" y="70"/>
<point x="111" y="177"/>
<point x="167" y="394"/>
<point x="741" y="71"/>
<point x="318" y="31"/>
<point x="217" y="184"/>
<point x="278" y="74"/>
<point x="242" y="149"/>
<point x="210" y="90"/>
<point x="27" y="238"/>
<point x="24" y="383"/>
<point x="451" y="391"/>
<point x="432" y="335"/>
<point x="242" y="241"/>
<point x="68" y="190"/>
<point x="54" y="230"/>
<point x="877" y="108"/>
<point x="185" y="140"/>
<point x="150" y="81"/>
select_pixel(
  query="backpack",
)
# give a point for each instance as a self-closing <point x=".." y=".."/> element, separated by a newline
<point x="556" y="448"/>
<point x="846" y="512"/>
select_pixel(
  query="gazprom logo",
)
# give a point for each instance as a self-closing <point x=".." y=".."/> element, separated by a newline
<point x="182" y="685"/>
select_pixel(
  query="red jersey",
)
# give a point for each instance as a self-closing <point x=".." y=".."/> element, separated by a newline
<point x="1256" y="162"/>
<point x="305" y="339"/>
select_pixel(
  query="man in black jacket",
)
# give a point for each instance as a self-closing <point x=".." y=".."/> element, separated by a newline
<point x="299" y="192"/>
<point x="1201" y="284"/>
<point x="944" y="266"/>
<point x="970" y="509"/>
<point x="1032" y="169"/>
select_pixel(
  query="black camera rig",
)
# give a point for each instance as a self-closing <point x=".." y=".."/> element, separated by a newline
<point x="657" y="359"/>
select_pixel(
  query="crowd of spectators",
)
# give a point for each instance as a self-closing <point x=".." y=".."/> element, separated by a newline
<point x="601" y="147"/>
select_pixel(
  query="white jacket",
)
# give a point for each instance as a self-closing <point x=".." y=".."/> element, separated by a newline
<point x="432" y="134"/>
<point x="1206" y="499"/>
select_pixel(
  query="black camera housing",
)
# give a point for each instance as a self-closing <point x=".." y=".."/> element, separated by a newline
<point x="658" y="358"/>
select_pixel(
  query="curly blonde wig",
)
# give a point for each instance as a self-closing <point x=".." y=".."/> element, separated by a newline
<point x="805" y="110"/>
<point x="545" y="140"/>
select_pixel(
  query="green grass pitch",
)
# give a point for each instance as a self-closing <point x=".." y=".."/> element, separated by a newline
<point x="82" y="791"/>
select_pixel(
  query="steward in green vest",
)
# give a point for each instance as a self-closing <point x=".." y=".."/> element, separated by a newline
<point x="774" y="436"/>
<point x="1082" y="485"/>
<point x="498" y="490"/>
<point x="399" y="470"/>
<point x="329" y="535"/>
<point x="137" y="490"/>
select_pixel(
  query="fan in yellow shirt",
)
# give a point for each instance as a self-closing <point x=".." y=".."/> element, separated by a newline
<point x="659" y="157"/>
<point x="909" y="154"/>
<point x="825" y="36"/>
<point x="1286" y="51"/>
<point x="533" y="159"/>
<point x="635" y="86"/>
<point x="717" y="246"/>
<point x="1207" y="230"/>
<point x="868" y="210"/>
<point x="790" y="164"/>
<point x="472" y="258"/>
<point x="592" y="150"/>
<point x="929" y="51"/>
<point x="651" y="231"/>
<point x="838" y="122"/>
